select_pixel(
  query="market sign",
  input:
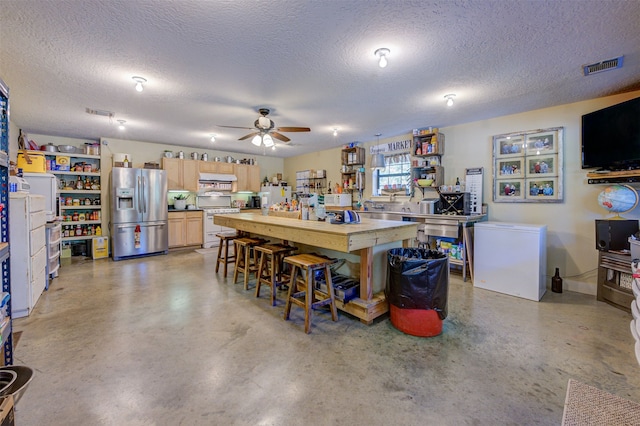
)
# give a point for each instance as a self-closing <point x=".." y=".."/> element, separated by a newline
<point x="403" y="144"/>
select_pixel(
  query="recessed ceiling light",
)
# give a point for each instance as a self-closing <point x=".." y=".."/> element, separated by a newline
<point x="139" y="81"/>
<point x="121" y="125"/>
<point x="382" y="54"/>
<point x="213" y="138"/>
<point x="449" y="98"/>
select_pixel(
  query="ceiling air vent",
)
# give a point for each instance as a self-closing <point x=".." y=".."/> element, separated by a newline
<point x="99" y="112"/>
<point x="607" y="65"/>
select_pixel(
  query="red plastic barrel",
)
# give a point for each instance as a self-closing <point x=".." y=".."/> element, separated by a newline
<point x="416" y="322"/>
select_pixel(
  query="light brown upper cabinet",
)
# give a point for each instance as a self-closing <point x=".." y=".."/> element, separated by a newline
<point x="181" y="174"/>
<point x="248" y="177"/>
<point x="216" y="167"/>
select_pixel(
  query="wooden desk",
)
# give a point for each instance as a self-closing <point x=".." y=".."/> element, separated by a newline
<point x="358" y="238"/>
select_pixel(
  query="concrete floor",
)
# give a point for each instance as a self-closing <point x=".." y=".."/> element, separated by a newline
<point x="164" y="341"/>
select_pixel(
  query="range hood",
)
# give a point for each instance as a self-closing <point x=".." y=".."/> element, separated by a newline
<point x="217" y="177"/>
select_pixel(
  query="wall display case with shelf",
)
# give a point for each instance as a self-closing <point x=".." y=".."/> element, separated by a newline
<point x="426" y="150"/>
<point x="5" y="323"/>
<point x="427" y="142"/>
<point x="353" y="162"/>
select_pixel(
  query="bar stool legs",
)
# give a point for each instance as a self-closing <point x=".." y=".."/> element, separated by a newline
<point x="302" y="292"/>
<point x="270" y="267"/>
<point x="246" y="258"/>
<point x="223" y="252"/>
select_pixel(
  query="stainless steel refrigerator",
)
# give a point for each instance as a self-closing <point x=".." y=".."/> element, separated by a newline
<point x="138" y="212"/>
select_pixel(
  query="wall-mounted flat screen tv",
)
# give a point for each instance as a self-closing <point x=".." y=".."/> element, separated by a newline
<point x="611" y="137"/>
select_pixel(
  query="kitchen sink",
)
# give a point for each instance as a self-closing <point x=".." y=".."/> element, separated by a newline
<point x="382" y="215"/>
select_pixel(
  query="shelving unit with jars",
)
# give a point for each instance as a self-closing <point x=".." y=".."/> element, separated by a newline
<point x="426" y="152"/>
<point x="79" y="192"/>
<point x="353" y="160"/>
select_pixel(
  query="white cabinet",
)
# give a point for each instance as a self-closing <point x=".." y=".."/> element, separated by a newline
<point x="27" y="218"/>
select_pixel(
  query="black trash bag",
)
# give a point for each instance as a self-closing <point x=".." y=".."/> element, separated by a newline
<point x="418" y="279"/>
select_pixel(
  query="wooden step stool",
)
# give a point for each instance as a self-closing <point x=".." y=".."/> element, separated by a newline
<point x="270" y="266"/>
<point x="223" y="250"/>
<point x="246" y="258"/>
<point x="302" y="292"/>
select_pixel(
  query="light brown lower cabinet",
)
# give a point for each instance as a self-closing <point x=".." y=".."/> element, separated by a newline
<point x="185" y="228"/>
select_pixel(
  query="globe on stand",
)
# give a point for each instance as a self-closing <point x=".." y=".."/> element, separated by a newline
<point x="618" y="199"/>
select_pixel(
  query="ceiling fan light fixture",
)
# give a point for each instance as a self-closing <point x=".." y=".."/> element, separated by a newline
<point x="257" y="140"/>
<point x="449" y="98"/>
<point x="139" y="81"/>
<point x="264" y="122"/>
<point x="335" y="131"/>
<point x="267" y="140"/>
<point x="382" y="55"/>
<point x="213" y="138"/>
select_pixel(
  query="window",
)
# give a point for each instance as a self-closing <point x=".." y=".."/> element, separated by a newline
<point x="395" y="175"/>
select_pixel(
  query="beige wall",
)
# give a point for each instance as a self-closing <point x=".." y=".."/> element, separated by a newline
<point x="570" y="224"/>
<point x="570" y="238"/>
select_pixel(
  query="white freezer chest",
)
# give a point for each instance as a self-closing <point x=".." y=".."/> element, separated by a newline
<point x="511" y="258"/>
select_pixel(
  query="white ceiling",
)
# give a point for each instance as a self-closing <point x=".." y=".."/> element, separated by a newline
<point x="216" y="62"/>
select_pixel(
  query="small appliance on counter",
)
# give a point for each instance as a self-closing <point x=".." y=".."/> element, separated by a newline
<point x="429" y="205"/>
<point x="254" y="202"/>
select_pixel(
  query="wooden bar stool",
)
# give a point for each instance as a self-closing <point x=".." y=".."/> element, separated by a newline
<point x="302" y="291"/>
<point x="223" y="250"/>
<point x="246" y="258"/>
<point x="270" y="266"/>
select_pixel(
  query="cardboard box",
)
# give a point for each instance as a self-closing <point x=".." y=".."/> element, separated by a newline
<point x="63" y="163"/>
<point x="65" y="253"/>
<point x="100" y="247"/>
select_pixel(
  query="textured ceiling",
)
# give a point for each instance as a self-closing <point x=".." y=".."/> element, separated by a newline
<point x="211" y="63"/>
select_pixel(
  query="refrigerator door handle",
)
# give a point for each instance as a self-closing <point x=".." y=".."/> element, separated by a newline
<point x="139" y="192"/>
<point x="144" y="198"/>
<point x="135" y="225"/>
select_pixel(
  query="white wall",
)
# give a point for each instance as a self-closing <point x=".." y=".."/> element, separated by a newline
<point x="570" y="224"/>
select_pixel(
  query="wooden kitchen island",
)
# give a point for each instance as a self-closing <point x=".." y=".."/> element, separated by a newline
<point x="360" y="239"/>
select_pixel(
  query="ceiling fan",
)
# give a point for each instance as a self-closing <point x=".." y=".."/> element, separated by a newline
<point x="265" y="126"/>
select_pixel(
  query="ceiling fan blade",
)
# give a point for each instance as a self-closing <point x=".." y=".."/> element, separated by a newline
<point x="294" y="129"/>
<point x="236" y="127"/>
<point x="250" y="135"/>
<point x="278" y="136"/>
